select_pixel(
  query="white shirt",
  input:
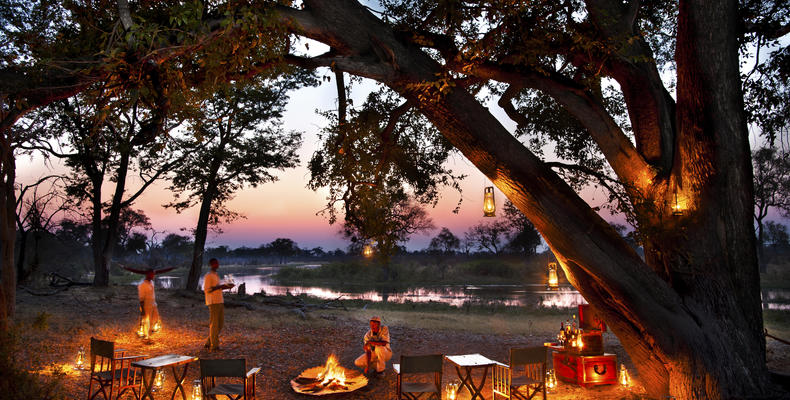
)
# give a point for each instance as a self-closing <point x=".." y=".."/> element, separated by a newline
<point x="209" y="281"/>
<point x="382" y="336"/>
<point x="145" y="291"/>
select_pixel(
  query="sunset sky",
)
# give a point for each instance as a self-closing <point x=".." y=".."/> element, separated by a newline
<point x="286" y="208"/>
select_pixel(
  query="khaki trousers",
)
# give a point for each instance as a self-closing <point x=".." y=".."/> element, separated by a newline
<point x="216" y="320"/>
<point x="378" y="359"/>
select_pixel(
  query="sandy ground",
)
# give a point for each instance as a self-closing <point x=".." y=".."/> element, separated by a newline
<point x="278" y="340"/>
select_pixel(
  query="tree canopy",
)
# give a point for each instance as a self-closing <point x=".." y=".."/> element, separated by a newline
<point x="646" y="98"/>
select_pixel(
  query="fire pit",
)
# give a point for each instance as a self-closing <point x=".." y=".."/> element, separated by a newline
<point x="330" y="378"/>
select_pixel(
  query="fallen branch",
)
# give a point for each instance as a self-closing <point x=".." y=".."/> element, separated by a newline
<point x="57" y="280"/>
<point x="776" y="338"/>
<point x="35" y="293"/>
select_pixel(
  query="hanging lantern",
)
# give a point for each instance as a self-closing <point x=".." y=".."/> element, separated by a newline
<point x="79" y="362"/>
<point x="623" y="377"/>
<point x="677" y="207"/>
<point x="159" y="379"/>
<point x="551" y="380"/>
<point x="197" y="391"/>
<point x="489" y="206"/>
<point x="451" y="390"/>
<point x="141" y="329"/>
<point x="367" y="251"/>
<point x="554" y="281"/>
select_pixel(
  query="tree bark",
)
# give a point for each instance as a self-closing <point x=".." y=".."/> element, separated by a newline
<point x="694" y="332"/>
<point x="201" y="230"/>
<point x="110" y="238"/>
<point x="7" y="231"/>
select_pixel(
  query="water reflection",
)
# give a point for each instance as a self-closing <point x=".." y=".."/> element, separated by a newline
<point x="457" y="295"/>
<point x="529" y="295"/>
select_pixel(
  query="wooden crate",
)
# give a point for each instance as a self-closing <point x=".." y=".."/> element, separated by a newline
<point x="586" y="370"/>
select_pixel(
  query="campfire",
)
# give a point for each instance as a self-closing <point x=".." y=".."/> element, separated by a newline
<point x="328" y="379"/>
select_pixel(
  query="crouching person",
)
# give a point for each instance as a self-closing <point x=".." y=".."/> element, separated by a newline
<point x="376" y="344"/>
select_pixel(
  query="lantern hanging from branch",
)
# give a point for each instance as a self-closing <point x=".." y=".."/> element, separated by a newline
<point x="554" y="281"/>
<point x="551" y="380"/>
<point x="197" y="390"/>
<point x="79" y="362"/>
<point x="677" y="206"/>
<point x="367" y="251"/>
<point x="489" y="206"/>
<point x="623" y="377"/>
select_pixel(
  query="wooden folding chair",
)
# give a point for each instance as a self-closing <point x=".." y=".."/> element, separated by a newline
<point x="111" y="369"/>
<point x="234" y="369"/>
<point x="507" y="380"/>
<point x="420" y="365"/>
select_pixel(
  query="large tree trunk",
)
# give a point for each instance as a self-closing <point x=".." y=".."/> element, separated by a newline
<point x="691" y="320"/>
<point x="201" y="231"/>
<point x="111" y="233"/>
<point x="21" y="273"/>
<point x="97" y="233"/>
<point x="7" y="232"/>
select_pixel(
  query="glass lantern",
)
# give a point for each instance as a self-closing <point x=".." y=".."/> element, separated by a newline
<point x="451" y="390"/>
<point x="551" y="380"/>
<point x="367" y="251"/>
<point x="79" y="362"/>
<point x="623" y="378"/>
<point x="159" y="379"/>
<point x="489" y="205"/>
<point x="141" y="328"/>
<point x="554" y="281"/>
<point x="197" y="390"/>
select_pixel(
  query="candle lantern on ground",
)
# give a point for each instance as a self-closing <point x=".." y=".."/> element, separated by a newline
<point x="157" y="326"/>
<point x="159" y="379"/>
<point x="489" y="206"/>
<point x="197" y="390"/>
<point x="624" y="378"/>
<point x="554" y="281"/>
<point x="551" y="380"/>
<point x="451" y="390"/>
<point x="79" y="362"/>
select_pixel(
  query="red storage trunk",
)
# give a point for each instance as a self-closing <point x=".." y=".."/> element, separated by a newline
<point x="586" y="370"/>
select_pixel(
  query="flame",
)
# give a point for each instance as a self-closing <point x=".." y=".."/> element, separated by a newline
<point x="332" y="372"/>
<point x="625" y="378"/>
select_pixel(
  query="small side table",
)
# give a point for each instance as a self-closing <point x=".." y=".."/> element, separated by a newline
<point x="156" y="363"/>
<point x="465" y="364"/>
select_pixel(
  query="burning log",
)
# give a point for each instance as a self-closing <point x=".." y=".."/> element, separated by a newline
<point x="330" y="378"/>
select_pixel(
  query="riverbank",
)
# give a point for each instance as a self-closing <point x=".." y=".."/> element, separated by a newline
<point x="284" y="342"/>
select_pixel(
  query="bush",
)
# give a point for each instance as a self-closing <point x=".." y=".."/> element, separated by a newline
<point x="491" y="268"/>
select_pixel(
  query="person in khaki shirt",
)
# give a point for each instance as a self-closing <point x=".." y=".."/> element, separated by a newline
<point x="376" y="344"/>
<point x="212" y="288"/>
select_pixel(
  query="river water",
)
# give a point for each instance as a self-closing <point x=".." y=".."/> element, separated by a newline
<point x="524" y="295"/>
